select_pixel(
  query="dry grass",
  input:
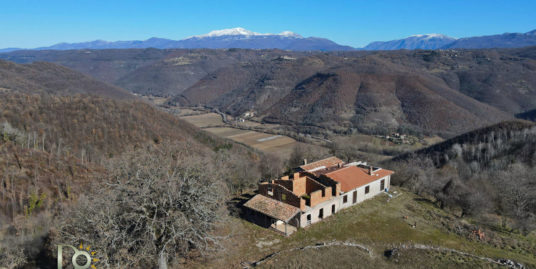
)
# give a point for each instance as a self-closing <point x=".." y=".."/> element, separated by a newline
<point x="377" y="224"/>
<point x="183" y="112"/>
<point x="225" y="131"/>
<point x="204" y="120"/>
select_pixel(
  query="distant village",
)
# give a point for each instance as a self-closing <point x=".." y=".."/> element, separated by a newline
<point x="399" y="139"/>
<point x="315" y="191"/>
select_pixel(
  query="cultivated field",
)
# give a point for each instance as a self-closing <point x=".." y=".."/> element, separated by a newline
<point x="278" y="145"/>
<point x="204" y="120"/>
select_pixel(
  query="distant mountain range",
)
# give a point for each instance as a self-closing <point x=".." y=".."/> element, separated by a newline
<point x="245" y="39"/>
<point x="439" y="41"/>
<point x="218" y="39"/>
<point x="507" y="40"/>
<point x="429" y="41"/>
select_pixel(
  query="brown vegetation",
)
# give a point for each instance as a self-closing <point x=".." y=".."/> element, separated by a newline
<point x="441" y="92"/>
<point x="487" y="171"/>
<point x="57" y="153"/>
<point x="90" y="128"/>
<point x="41" y="77"/>
<point x="159" y="204"/>
<point x="413" y="92"/>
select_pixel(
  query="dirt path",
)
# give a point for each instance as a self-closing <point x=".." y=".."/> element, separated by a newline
<point x="503" y="262"/>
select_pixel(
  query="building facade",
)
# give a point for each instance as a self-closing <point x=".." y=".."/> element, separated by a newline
<point x="315" y="191"/>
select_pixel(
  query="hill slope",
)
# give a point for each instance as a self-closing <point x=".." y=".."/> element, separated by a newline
<point x="444" y="92"/>
<point x="145" y="71"/>
<point x="48" y="143"/>
<point x="447" y="92"/>
<point x="181" y="69"/>
<point x="54" y="147"/>
<point x="104" y="65"/>
<point x="41" y="77"/>
<point x="483" y="172"/>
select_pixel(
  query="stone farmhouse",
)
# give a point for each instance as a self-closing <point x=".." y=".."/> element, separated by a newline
<point x="316" y="191"/>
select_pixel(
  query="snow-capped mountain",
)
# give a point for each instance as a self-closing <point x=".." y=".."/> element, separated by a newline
<point x="239" y="31"/>
<point x="245" y="39"/>
<point x="218" y="39"/>
<point x="426" y="41"/>
<point x="232" y="31"/>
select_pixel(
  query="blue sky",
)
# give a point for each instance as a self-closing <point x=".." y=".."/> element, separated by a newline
<point x="25" y="23"/>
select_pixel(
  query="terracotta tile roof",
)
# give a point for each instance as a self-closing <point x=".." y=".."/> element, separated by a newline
<point x="272" y="207"/>
<point x="328" y="162"/>
<point x="352" y="177"/>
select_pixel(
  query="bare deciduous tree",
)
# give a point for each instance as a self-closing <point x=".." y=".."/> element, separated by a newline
<point x="157" y="205"/>
<point x="270" y="166"/>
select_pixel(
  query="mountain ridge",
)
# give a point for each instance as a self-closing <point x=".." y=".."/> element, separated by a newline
<point x="439" y="41"/>
<point x="426" y="41"/>
<point x="242" y="38"/>
<point x="217" y="39"/>
<point x="433" y="91"/>
<point x="506" y="40"/>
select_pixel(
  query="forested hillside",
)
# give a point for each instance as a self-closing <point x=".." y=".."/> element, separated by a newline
<point x="42" y="77"/>
<point x="58" y="151"/>
<point x="486" y="173"/>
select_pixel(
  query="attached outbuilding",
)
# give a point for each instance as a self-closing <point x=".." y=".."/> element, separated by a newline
<point x="271" y="213"/>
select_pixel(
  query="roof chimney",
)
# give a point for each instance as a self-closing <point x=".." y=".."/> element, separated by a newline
<point x="370" y="170"/>
<point x="304" y="161"/>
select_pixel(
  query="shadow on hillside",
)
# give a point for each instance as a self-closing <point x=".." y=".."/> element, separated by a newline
<point x="235" y="204"/>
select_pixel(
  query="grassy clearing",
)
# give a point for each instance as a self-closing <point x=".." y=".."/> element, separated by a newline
<point x="348" y="257"/>
<point x="379" y="225"/>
